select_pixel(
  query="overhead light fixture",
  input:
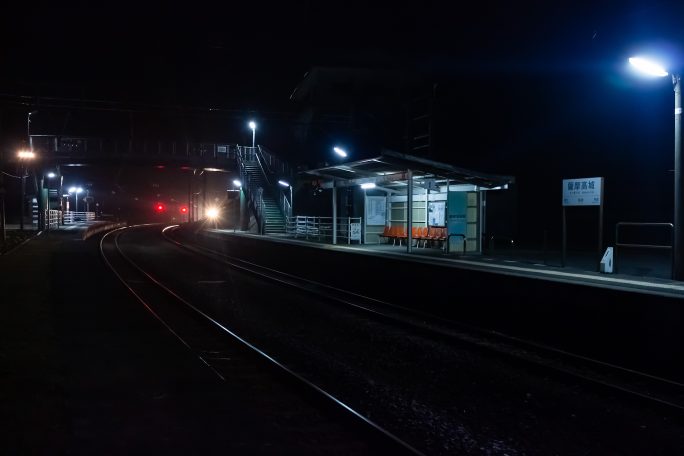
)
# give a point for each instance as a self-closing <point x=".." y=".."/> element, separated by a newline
<point x="648" y="67"/>
<point x="368" y="185"/>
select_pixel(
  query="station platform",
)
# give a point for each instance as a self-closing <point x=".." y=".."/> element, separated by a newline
<point x="644" y="273"/>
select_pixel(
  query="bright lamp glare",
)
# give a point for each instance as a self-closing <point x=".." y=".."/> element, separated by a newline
<point x="72" y="189"/>
<point x="647" y="67"/>
<point x="340" y="152"/>
<point x="237" y="183"/>
<point x="252" y="125"/>
<point x="79" y="190"/>
<point x="51" y="175"/>
<point x="212" y="212"/>
<point x="283" y="183"/>
<point x="26" y="155"/>
<point x="367" y="185"/>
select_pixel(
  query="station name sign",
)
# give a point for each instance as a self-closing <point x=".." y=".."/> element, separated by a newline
<point x="582" y="192"/>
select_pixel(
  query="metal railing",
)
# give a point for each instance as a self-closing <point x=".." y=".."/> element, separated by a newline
<point x="321" y="228"/>
<point x="52" y="217"/>
<point x="274" y="164"/>
<point x="71" y="217"/>
<point x="255" y="192"/>
<point x="644" y="246"/>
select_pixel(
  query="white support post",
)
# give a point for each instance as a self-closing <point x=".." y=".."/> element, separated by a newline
<point x="409" y="212"/>
<point x="365" y="219"/>
<point x="334" y="219"/>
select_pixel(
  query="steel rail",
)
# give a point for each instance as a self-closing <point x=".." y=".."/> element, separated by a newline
<point x="430" y="325"/>
<point x="282" y="368"/>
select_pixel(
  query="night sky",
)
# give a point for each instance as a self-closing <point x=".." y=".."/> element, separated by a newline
<point x="539" y="91"/>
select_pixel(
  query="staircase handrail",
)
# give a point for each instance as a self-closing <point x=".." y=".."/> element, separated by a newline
<point x="266" y="159"/>
<point x="271" y="160"/>
<point x="254" y="194"/>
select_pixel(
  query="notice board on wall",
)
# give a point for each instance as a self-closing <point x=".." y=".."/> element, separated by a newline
<point x="437" y="213"/>
<point x="376" y="210"/>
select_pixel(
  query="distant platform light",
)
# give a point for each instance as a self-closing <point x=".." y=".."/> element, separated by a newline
<point x="51" y="175"/>
<point x="26" y="155"/>
<point x="340" y="152"/>
<point x="367" y="185"/>
<point x="283" y="183"/>
<point x="252" y="125"/>
<point x="237" y="183"/>
<point x="212" y="213"/>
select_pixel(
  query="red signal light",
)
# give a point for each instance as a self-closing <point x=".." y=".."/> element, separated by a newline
<point x="183" y="210"/>
<point x="160" y="207"/>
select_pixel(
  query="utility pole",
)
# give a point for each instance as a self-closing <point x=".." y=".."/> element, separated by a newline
<point x="2" y="209"/>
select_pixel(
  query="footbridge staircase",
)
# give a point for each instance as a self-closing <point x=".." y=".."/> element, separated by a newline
<point x="269" y="201"/>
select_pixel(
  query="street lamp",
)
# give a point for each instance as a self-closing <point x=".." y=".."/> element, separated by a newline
<point x="287" y="184"/>
<point x="237" y="183"/>
<point x="75" y="191"/>
<point x="28" y="129"/>
<point x="339" y="151"/>
<point x="650" y="68"/>
<point x="252" y="125"/>
<point x="24" y="156"/>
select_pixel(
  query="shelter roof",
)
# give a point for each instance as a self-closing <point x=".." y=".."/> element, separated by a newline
<point x="391" y="167"/>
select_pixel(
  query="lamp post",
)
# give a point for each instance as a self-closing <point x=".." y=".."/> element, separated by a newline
<point x="75" y="191"/>
<point x="653" y="69"/>
<point x="44" y="201"/>
<point x="287" y="184"/>
<point x="24" y="156"/>
<point x="252" y="125"/>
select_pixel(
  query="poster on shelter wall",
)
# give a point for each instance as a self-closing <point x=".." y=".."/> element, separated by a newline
<point x="376" y="210"/>
<point x="355" y="231"/>
<point x="457" y="205"/>
<point x="437" y="213"/>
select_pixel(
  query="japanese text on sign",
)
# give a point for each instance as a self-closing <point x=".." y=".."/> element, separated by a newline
<point x="582" y="192"/>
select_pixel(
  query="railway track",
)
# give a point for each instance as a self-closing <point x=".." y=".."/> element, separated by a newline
<point x="227" y="354"/>
<point x="651" y="390"/>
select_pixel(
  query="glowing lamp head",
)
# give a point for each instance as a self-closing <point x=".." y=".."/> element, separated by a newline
<point x="368" y="185"/>
<point x="237" y="183"/>
<point x="252" y="125"/>
<point x="26" y="155"/>
<point x="284" y="183"/>
<point x="647" y="67"/>
<point x="51" y="175"/>
<point x="212" y="213"/>
<point x="340" y="152"/>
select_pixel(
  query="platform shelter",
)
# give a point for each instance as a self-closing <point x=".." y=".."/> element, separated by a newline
<point x="447" y="203"/>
